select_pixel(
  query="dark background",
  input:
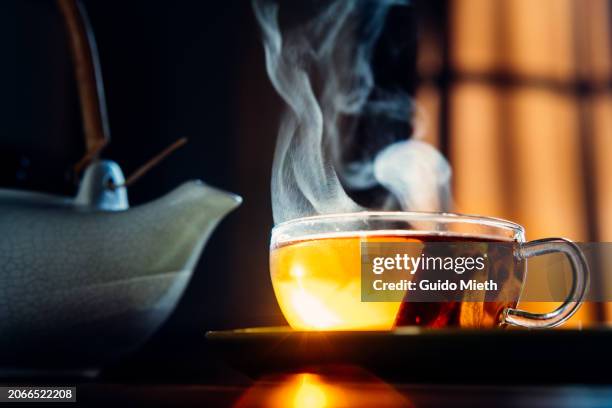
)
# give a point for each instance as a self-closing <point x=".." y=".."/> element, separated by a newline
<point x="171" y="69"/>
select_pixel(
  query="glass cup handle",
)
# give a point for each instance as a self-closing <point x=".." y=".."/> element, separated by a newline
<point x="580" y="277"/>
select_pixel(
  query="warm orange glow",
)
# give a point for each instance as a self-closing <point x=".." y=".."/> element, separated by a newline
<point x="477" y="156"/>
<point x="548" y="191"/>
<point x="318" y="286"/>
<point x="547" y="172"/>
<point x="475" y="44"/>
<point x="297" y="391"/>
<point x="517" y="135"/>
<point x="537" y="38"/>
<point x="596" y="40"/>
<point x="309" y="390"/>
<point x="602" y="118"/>
<point x="312" y="312"/>
<point x="310" y="393"/>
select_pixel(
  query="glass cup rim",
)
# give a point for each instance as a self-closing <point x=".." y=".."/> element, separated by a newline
<point x="518" y="231"/>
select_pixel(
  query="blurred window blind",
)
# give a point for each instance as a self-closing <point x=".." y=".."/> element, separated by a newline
<point x="518" y="95"/>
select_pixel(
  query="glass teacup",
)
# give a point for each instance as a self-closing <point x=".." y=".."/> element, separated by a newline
<point x="316" y="264"/>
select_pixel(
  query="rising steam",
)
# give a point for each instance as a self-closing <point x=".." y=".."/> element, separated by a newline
<point x="321" y="68"/>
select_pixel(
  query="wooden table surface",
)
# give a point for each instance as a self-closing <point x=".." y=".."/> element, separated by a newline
<point x="314" y="390"/>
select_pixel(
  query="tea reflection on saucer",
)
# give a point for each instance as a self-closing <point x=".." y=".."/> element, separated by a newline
<point x="339" y="387"/>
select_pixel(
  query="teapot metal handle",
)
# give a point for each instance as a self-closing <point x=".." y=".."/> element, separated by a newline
<point x="88" y="78"/>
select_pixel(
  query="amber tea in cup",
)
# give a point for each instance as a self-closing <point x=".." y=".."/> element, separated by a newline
<point x="315" y="265"/>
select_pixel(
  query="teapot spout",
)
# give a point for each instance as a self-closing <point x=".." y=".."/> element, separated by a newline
<point x="182" y="221"/>
<point x="200" y="203"/>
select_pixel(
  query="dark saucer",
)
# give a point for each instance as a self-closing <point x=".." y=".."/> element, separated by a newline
<point x="425" y="355"/>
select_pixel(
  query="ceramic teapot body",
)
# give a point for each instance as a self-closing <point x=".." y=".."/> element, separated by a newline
<point x="80" y="284"/>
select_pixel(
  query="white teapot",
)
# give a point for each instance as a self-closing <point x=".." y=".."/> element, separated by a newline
<point x="85" y="279"/>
